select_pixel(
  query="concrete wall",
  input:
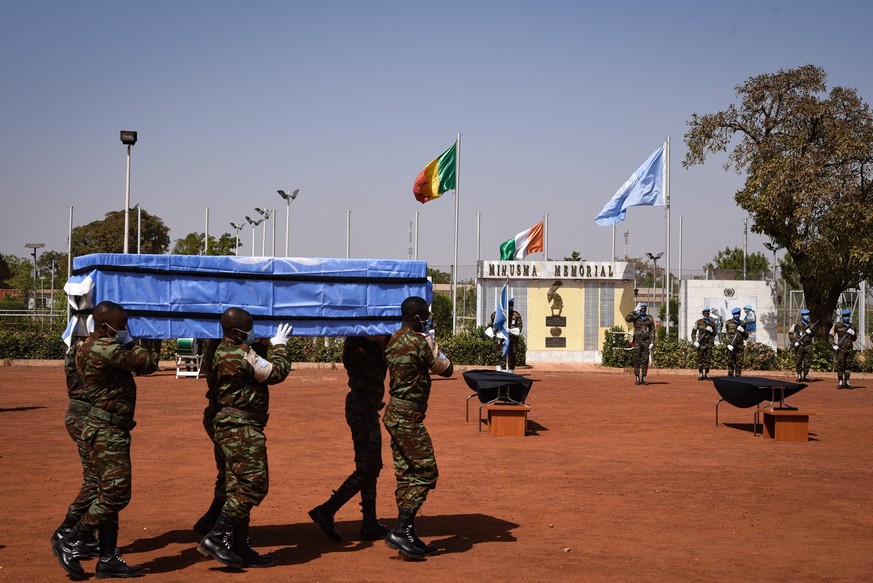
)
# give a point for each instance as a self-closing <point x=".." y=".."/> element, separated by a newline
<point x="721" y="295"/>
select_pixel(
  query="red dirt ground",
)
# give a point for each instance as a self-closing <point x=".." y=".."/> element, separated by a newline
<point x="615" y="482"/>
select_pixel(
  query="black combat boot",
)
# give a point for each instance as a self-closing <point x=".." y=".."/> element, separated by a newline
<point x="323" y="514"/>
<point x="62" y="531"/>
<point x="402" y="537"/>
<point x="111" y="564"/>
<point x="429" y="549"/>
<point x="218" y="543"/>
<point x="242" y="546"/>
<point x="799" y="377"/>
<point x="636" y="377"/>
<point x="839" y="380"/>
<point x="806" y="376"/>
<point x="371" y="528"/>
<point x="70" y="549"/>
<point x="207" y="521"/>
<point x="643" y="380"/>
<point x="706" y="374"/>
<point x="846" y="382"/>
<point x="700" y="374"/>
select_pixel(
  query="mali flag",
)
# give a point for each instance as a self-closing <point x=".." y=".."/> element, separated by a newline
<point x="437" y="177"/>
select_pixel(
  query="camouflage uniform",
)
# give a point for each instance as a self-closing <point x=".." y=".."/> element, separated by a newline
<point x="706" y="339"/>
<point x="734" y="337"/>
<point x="239" y="424"/>
<point x="801" y="341"/>
<point x="514" y="322"/>
<point x="644" y="328"/>
<point x="107" y="367"/>
<point x="75" y="418"/>
<point x="845" y="352"/>
<point x="409" y="361"/>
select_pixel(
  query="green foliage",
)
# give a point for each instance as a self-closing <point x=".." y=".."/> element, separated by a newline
<point x="805" y="152"/>
<point x="616" y="346"/>
<point x="316" y="349"/>
<point x="438" y="276"/>
<point x="192" y="244"/>
<point x="474" y="348"/>
<point x="30" y="344"/>
<point x="107" y="235"/>
<point x="673" y="353"/>
<point x="441" y="307"/>
<point x="757" y="266"/>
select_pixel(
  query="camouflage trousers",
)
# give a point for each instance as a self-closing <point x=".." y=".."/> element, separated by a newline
<point x="843" y="360"/>
<point x="512" y="354"/>
<point x="75" y="423"/>
<point x="414" y="461"/>
<point x="802" y="358"/>
<point x="640" y="357"/>
<point x="109" y="452"/>
<point x="704" y="356"/>
<point x="244" y="446"/>
<point x="219" y="491"/>
<point x="735" y="361"/>
<point x="362" y="415"/>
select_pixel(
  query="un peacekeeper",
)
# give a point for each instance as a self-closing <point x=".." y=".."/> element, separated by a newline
<point x="703" y="336"/>
<point x="644" y="340"/>
<point x="205" y="523"/>
<point x="844" y="335"/>
<point x="515" y="325"/>
<point x="107" y="361"/>
<point x="242" y="393"/>
<point x="412" y="356"/>
<point x="364" y="361"/>
<point x="800" y="336"/>
<point x="77" y="414"/>
<point x="735" y="335"/>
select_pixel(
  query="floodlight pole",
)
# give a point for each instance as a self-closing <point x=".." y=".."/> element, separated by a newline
<point x="128" y="138"/>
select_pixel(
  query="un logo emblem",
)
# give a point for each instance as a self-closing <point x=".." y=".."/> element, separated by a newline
<point x="729" y="292"/>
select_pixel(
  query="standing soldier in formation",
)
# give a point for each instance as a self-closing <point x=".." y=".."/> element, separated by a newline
<point x="800" y="336"/>
<point x="106" y="361"/>
<point x="412" y="355"/>
<point x="77" y="415"/>
<point x="364" y="361"/>
<point x="644" y="341"/>
<point x="515" y="325"/>
<point x="844" y="335"/>
<point x="735" y="335"/>
<point x="242" y="378"/>
<point x="703" y="336"/>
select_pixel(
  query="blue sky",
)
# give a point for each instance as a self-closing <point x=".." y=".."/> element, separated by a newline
<point x="557" y="103"/>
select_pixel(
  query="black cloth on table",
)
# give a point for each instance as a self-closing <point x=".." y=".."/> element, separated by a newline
<point x="492" y="385"/>
<point x="747" y="392"/>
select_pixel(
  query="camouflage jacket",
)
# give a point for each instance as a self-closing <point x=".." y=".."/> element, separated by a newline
<point x="75" y="387"/>
<point x="643" y="326"/>
<point x="409" y="361"/>
<point x="700" y="334"/>
<point x="731" y="335"/>
<point x="364" y="361"/>
<point x="514" y="321"/>
<point x="107" y="368"/>
<point x="797" y="333"/>
<point x="839" y="332"/>
<point x="235" y="377"/>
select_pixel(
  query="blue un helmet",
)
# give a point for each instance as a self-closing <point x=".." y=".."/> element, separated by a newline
<point x="804" y="315"/>
<point x="736" y="313"/>
<point x="847" y="315"/>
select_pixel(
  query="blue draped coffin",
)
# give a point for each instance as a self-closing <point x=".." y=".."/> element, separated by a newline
<point x="183" y="296"/>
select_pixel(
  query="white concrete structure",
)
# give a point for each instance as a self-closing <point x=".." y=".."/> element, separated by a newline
<point x="721" y="296"/>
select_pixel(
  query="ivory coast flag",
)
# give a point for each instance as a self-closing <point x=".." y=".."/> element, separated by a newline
<point x="525" y="243"/>
<point x="436" y="178"/>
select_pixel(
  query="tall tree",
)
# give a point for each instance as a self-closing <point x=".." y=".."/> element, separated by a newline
<point x="192" y="244"/>
<point x="757" y="266"/>
<point x="107" y="235"/>
<point x="807" y="154"/>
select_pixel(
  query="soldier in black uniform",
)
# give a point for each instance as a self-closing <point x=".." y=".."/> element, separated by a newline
<point x="644" y="341"/>
<point x="364" y="361"/>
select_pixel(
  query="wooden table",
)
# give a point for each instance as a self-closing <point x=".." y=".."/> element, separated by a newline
<point x="783" y="424"/>
<point x="505" y="420"/>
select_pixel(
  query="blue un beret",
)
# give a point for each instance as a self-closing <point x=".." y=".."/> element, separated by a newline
<point x="735" y="311"/>
<point x="846" y="312"/>
<point x="804" y="312"/>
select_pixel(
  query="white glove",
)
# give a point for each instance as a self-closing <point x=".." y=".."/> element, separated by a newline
<point x="836" y="347"/>
<point x="808" y="330"/>
<point x="489" y="332"/>
<point x="651" y="346"/>
<point x="796" y="344"/>
<point x="501" y="336"/>
<point x="696" y="344"/>
<point x="432" y="334"/>
<point x="850" y="332"/>
<point x="283" y="332"/>
<point x="730" y="347"/>
<point x="515" y="331"/>
<point x="740" y="329"/>
<point x="709" y="329"/>
<point x="639" y="305"/>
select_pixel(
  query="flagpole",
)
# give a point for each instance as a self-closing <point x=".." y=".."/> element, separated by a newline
<point x="478" y="236"/>
<point x="457" y="206"/>
<point x="546" y="237"/>
<point x="613" y="243"/>
<point x="667" y="218"/>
